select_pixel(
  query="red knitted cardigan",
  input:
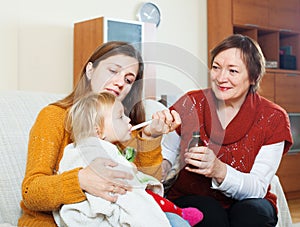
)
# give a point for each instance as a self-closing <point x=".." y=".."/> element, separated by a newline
<point x="259" y="122"/>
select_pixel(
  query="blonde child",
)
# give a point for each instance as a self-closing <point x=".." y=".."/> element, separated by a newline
<point x="97" y="122"/>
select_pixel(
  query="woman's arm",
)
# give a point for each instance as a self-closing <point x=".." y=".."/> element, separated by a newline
<point x="45" y="190"/>
<point x="148" y="158"/>
<point x="170" y="146"/>
<point x="240" y="185"/>
<point x="42" y="189"/>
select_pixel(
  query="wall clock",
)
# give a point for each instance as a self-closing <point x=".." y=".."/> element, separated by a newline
<point x="150" y="13"/>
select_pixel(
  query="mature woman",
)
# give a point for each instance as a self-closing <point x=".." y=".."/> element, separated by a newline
<point x="114" y="67"/>
<point x="246" y="136"/>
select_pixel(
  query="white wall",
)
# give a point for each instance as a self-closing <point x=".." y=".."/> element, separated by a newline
<point x="36" y="39"/>
<point x="8" y="46"/>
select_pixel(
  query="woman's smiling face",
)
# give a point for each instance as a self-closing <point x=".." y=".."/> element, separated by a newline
<point x="229" y="76"/>
<point x="115" y="74"/>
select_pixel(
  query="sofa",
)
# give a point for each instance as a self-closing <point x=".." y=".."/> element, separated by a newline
<point x="18" y="112"/>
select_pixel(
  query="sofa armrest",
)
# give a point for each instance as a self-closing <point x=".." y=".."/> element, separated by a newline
<point x="284" y="215"/>
<point x="18" y="112"/>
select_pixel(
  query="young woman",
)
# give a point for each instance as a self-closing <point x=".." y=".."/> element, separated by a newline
<point x="114" y="67"/>
<point x="246" y="136"/>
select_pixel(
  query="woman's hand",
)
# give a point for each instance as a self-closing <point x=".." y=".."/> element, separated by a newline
<point x="163" y="122"/>
<point x="206" y="163"/>
<point x="101" y="180"/>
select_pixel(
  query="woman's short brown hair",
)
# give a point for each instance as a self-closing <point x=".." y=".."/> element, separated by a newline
<point x="251" y="55"/>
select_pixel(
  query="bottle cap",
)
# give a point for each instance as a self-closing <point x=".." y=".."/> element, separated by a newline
<point x="196" y="133"/>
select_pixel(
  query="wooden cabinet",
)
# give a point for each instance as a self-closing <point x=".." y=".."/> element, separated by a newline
<point x="243" y="11"/>
<point x="289" y="173"/>
<point x="272" y="40"/>
<point x="283" y="89"/>
<point x="273" y="24"/>
<point x="284" y="15"/>
<point x="287" y="87"/>
<point x="219" y="19"/>
<point x="281" y="15"/>
<point x="88" y="35"/>
<point x="267" y="86"/>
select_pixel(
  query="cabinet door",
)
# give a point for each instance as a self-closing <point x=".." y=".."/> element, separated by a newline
<point x="267" y="86"/>
<point x="219" y="24"/>
<point x="287" y="91"/>
<point x="289" y="174"/>
<point x="88" y="35"/>
<point x="285" y="14"/>
<point x="250" y="12"/>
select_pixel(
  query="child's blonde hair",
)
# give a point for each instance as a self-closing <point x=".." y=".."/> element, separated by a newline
<point x="87" y="114"/>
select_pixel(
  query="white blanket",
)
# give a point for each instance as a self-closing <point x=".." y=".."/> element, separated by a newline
<point x="135" y="208"/>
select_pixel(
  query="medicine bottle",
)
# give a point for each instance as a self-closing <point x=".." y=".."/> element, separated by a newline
<point x="195" y="141"/>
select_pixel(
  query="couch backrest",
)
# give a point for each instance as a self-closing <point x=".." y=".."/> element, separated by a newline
<point x="18" y="112"/>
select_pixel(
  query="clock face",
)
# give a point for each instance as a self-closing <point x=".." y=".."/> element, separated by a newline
<point x="150" y="13"/>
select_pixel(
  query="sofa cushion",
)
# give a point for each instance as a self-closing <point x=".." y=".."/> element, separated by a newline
<point x="18" y="112"/>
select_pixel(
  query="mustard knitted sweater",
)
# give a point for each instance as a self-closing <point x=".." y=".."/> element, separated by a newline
<point x="42" y="189"/>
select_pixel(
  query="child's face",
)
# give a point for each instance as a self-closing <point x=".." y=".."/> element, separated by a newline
<point x="116" y="124"/>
